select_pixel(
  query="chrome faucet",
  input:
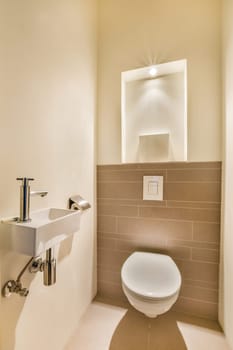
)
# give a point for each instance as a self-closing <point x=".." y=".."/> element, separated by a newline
<point x="25" y="194"/>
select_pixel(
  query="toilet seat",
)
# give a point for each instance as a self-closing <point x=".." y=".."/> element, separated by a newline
<point x="145" y="298"/>
<point x="151" y="276"/>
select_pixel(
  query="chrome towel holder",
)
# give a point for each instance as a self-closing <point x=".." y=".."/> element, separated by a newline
<point x="78" y="203"/>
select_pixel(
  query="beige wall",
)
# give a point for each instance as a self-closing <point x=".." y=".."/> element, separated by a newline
<point x="138" y="33"/>
<point x="185" y="225"/>
<point x="47" y="111"/>
<point x="226" y="271"/>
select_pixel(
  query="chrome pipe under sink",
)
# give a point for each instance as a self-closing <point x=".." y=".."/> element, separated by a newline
<point x="49" y="268"/>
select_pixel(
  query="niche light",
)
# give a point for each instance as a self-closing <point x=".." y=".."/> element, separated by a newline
<point x="153" y="71"/>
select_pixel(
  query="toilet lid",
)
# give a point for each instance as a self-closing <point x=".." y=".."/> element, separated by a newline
<point x="151" y="275"/>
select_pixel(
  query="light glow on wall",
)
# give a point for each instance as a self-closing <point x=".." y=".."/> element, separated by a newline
<point x="154" y="111"/>
<point x="153" y="71"/>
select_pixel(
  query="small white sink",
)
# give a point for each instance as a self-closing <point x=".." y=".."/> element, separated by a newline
<point x="47" y="228"/>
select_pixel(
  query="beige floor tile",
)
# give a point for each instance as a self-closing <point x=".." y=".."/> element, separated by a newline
<point x="202" y="338"/>
<point x="107" y="327"/>
<point x="96" y="327"/>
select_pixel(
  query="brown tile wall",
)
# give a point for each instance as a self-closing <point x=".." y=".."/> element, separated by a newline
<point x="185" y="225"/>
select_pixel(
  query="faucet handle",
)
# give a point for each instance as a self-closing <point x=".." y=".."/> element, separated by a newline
<point x="25" y="180"/>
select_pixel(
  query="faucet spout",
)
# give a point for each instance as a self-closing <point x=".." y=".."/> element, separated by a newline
<point x="38" y="193"/>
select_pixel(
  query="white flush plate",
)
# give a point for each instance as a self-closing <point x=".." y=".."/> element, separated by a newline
<point x="153" y="188"/>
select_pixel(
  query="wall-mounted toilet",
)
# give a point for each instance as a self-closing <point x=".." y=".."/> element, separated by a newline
<point x="151" y="282"/>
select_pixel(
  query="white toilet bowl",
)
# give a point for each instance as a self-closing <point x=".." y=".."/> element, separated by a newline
<point x="151" y="282"/>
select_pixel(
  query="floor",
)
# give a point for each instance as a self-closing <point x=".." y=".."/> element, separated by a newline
<point x="108" y="327"/>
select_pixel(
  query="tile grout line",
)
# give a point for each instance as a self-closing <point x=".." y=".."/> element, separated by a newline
<point x="151" y="218"/>
<point x="148" y="335"/>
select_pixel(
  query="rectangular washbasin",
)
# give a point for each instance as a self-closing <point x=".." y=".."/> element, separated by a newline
<point x="47" y="228"/>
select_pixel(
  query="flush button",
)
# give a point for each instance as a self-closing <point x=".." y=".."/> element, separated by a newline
<point x="153" y="188"/>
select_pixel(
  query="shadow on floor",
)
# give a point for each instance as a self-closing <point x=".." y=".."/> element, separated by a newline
<point x="138" y="332"/>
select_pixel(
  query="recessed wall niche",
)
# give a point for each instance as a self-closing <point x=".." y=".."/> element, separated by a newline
<point x="154" y="113"/>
